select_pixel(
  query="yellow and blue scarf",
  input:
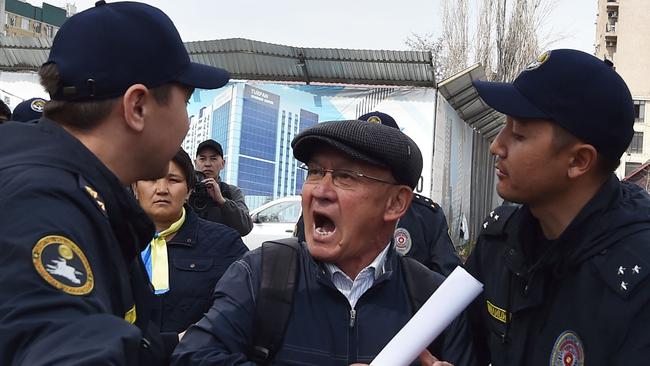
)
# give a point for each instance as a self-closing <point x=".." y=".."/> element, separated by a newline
<point x="155" y="258"/>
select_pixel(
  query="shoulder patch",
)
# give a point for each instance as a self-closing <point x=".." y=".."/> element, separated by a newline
<point x="425" y="201"/>
<point x="496" y="221"/>
<point x="622" y="269"/>
<point x="403" y="241"/>
<point x="62" y="264"/>
<point x="93" y="194"/>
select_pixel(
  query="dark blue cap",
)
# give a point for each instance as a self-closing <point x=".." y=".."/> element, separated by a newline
<point x="29" y="110"/>
<point x="102" y="51"/>
<point x="579" y="92"/>
<point x="379" y="117"/>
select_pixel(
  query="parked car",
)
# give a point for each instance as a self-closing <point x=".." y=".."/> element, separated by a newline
<point x="274" y="220"/>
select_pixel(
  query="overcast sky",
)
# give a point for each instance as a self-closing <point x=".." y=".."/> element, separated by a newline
<point x="366" y="24"/>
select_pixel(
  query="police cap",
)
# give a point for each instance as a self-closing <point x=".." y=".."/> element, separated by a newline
<point x="102" y="51"/>
<point x="579" y="92"/>
<point x="373" y="143"/>
<point x="29" y="110"/>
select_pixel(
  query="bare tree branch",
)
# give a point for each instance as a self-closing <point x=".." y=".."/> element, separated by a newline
<point x="506" y="38"/>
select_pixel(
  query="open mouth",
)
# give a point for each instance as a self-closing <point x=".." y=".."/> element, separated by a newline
<point x="324" y="226"/>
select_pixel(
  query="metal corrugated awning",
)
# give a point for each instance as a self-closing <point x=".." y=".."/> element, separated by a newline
<point x="23" y="53"/>
<point x="463" y="97"/>
<point x="253" y="60"/>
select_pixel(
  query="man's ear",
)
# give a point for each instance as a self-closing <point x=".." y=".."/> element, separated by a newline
<point x="398" y="202"/>
<point x="583" y="158"/>
<point x="135" y="106"/>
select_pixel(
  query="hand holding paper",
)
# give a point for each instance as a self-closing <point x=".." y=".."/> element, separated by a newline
<point x="446" y="303"/>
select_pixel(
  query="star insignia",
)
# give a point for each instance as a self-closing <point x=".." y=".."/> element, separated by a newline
<point x="492" y="214"/>
<point x="621" y="270"/>
<point x="636" y="269"/>
<point x="496" y="217"/>
<point x="485" y="225"/>
<point x="624" y="285"/>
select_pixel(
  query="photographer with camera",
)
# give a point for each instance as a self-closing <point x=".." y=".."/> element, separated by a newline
<point x="213" y="199"/>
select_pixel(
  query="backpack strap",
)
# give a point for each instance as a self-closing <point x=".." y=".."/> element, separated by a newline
<point x="275" y="300"/>
<point x="420" y="281"/>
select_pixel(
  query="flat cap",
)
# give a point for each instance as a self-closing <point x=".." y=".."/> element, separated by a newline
<point x="372" y="143"/>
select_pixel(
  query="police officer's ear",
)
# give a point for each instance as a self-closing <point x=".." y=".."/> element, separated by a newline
<point x="582" y="159"/>
<point x="135" y="104"/>
<point x="399" y="199"/>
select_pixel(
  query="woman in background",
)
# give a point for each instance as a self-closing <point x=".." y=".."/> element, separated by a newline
<point x="188" y="255"/>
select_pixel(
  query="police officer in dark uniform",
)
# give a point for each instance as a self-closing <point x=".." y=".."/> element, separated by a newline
<point x="72" y="287"/>
<point x="566" y="273"/>
<point x="422" y="233"/>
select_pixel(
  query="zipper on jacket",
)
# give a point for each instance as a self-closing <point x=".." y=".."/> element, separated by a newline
<point x="353" y="316"/>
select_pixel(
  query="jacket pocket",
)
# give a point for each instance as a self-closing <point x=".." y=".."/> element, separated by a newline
<point x="193" y="264"/>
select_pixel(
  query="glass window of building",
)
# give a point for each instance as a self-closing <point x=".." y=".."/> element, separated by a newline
<point x="636" y="146"/>
<point x="639" y="111"/>
<point x="24" y="23"/>
<point x="630" y="167"/>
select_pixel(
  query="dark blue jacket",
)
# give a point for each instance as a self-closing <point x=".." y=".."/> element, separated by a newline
<point x="71" y="276"/>
<point x="321" y="330"/>
<point x="584" y="296"/>
<point x="199" y="254"/>
<point x="426" y="234"/>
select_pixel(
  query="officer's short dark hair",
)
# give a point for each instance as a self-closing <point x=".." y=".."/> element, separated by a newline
<point x="84" y="115"/>
<point x="183" y="160"/>
<point x="562" y="138"/>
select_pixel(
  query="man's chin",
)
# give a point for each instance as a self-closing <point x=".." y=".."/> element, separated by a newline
<point x="321" y="251"/>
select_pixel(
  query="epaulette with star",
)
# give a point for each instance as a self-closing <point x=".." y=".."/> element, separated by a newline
<point x="93" y="194"/>
<point x="623" y="268"/>
<point x="425" y="201"/>
<point x="496" y="221"/>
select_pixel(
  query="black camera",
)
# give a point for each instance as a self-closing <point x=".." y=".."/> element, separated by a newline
<point x="199" y="198"/>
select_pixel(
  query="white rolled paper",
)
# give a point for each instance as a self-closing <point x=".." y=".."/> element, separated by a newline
<point x="444" y="305"/>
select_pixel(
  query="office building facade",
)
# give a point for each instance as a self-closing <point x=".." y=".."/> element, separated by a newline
<point x="255" y="128"/>
<point x="19" y="18"/>
<point x="623" y="36"/>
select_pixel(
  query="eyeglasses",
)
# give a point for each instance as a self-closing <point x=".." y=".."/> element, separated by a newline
<point x="342" y="178"/>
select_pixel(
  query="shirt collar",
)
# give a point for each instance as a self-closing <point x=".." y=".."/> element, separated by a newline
<point x="378" y="265"/>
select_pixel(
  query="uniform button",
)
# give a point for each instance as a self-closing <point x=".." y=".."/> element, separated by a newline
<point x="511" y="252"/>
<point x="192" y="265"/>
